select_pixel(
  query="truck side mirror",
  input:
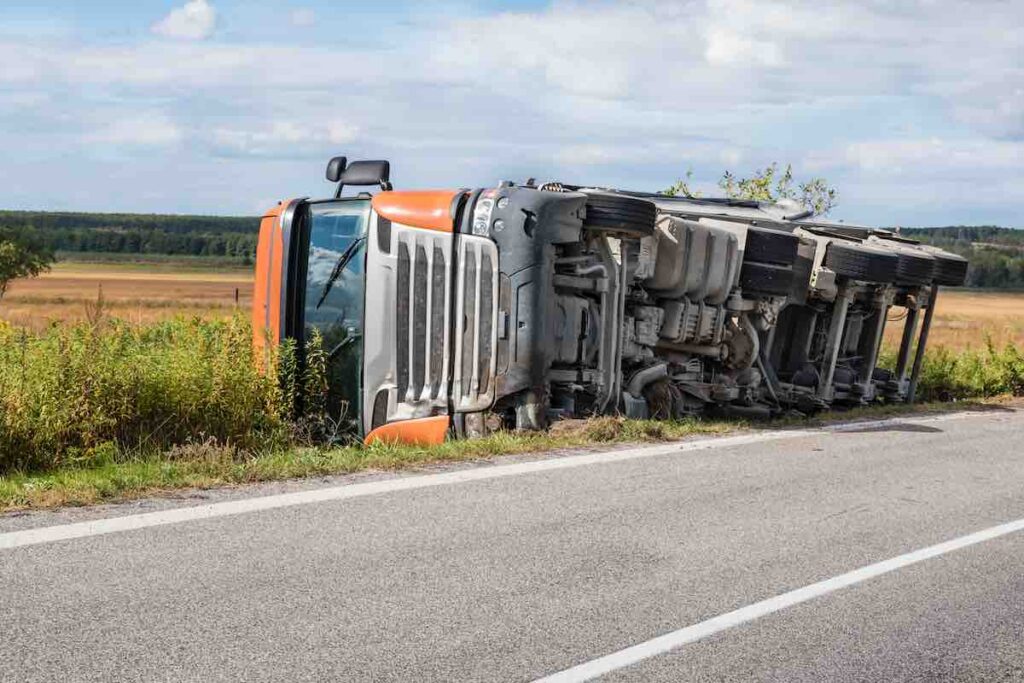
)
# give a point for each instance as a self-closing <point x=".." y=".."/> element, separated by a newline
<point x="362" y="173"/>
<point x="335" y="168"/>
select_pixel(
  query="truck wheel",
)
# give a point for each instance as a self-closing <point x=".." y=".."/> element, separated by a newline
<point x="766" y="278"/>
<point x="860" y="262"/>
<point x="764" y="245"/>
<point x="914" y="268"/>
<point x="950" y="269"/>
<point x="614" y="213"/>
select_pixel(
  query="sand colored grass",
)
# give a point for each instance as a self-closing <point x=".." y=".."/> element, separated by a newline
<point x="140" y="293"/>
<point x="966" y="319"/>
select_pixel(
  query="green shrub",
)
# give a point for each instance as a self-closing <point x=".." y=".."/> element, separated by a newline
<point x="974" y="373"/>
<point x="78" y="393"/>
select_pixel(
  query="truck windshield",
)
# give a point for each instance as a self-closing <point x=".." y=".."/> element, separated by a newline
<point x="335" y="288"/>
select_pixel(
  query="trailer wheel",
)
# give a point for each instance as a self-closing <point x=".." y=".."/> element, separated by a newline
<point x="950" y="269"/>
<point x="914" y="268"/>
<point x="766" y="278"/>
<point x="860" y="262"/>
<point x="764" y="245"/>
<point x="615" y="213"/>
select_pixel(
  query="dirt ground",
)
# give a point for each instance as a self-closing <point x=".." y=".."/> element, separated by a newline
<point x="133" y="292"/>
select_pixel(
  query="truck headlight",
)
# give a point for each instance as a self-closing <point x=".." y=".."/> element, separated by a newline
<point x="482" y="213"/>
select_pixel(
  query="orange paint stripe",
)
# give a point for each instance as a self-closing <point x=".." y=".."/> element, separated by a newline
<point x="430" y="209"/>
<point x="424" y="431"/>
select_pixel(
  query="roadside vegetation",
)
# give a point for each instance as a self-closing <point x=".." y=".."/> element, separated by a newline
<point x="103" y="409"/>
<point x="23" y="253"/>
<point x="105" y="389"/>
<point x="974" y="373"/>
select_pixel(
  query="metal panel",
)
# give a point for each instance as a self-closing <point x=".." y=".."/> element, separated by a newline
<point x="476" y="324"/>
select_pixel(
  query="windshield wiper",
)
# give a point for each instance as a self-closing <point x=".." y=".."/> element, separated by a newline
<point x="339" y="267"/>
<point x="344" y="344"/>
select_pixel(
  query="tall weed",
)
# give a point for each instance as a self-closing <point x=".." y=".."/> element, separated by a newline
<point x="69" y="392"/>
<point x="973" y="373"/>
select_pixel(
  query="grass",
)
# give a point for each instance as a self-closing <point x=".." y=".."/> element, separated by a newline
<point x="206" y="464"/>
<point x="171" y="262"/>
<point x="149" y="270"/>
<point x="142" y="294"/>
<point x="178" y="305"/>
<point x="969" y="319"/>
<point x="101" y="389"/>
<point x="948" y="375"/>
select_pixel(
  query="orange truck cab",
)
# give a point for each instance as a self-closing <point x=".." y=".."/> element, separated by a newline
<point x="372" y="274"/>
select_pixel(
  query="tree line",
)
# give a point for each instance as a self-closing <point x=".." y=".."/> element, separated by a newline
<point x="179" y="224"/>
<point x="150" y="241"/>
<point x="220" y="236"/>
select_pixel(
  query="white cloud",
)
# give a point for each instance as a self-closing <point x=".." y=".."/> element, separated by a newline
<point x="729" y="48"/>
<point x="144" y="130"/>
<point x="641" y="89"/>
<point x="923" y="158"/>
<point x="731" y="157"/>
<point x="302" y="17"/>
<point x="194" y="20"/>
<point x="340" y="132"/>
<point x="283" y="137"/>
<point x="585" y="155"/>
<point x="207" y="66"/>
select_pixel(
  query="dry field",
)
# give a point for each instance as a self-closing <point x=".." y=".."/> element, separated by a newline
<point x="152" y="292"/>
<point x="965" y="319"/>
<point x="134" y="292"/>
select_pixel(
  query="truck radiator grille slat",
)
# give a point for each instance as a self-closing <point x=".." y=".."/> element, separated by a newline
<point x="402" y="321"/>
<point x="487" y="295"/>
<point x="438" y="282"/>
<point x="420" y="295"/>
<point x="469" y="322"/>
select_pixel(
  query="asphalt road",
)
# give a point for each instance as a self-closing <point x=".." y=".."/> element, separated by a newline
<point x="519" y="576"/>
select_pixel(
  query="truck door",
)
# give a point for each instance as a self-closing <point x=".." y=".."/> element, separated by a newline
<point x="311" y="280"/>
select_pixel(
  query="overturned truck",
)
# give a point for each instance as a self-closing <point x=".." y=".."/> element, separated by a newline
<point x="459" y="312"/>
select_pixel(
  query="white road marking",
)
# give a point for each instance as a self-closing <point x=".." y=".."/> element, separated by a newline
<point x="63" y="532"/>
<point x="670" y="641"/>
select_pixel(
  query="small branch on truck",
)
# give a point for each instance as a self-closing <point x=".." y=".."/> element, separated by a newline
<point x="466" y="311"/>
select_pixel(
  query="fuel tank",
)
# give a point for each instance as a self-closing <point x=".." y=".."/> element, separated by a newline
<point x="694" y="261"/>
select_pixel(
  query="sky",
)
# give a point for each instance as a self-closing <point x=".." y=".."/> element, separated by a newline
<point x="913" y="110"/>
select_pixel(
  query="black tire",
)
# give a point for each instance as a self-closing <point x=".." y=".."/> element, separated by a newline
<point x="859" y="262"/>
<point x="616" y="213"/>
<point x="950" y="269"/>
<point x="766" y="278"/>
<point x="764" y="245"/>
<point x="914" y="268"/>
